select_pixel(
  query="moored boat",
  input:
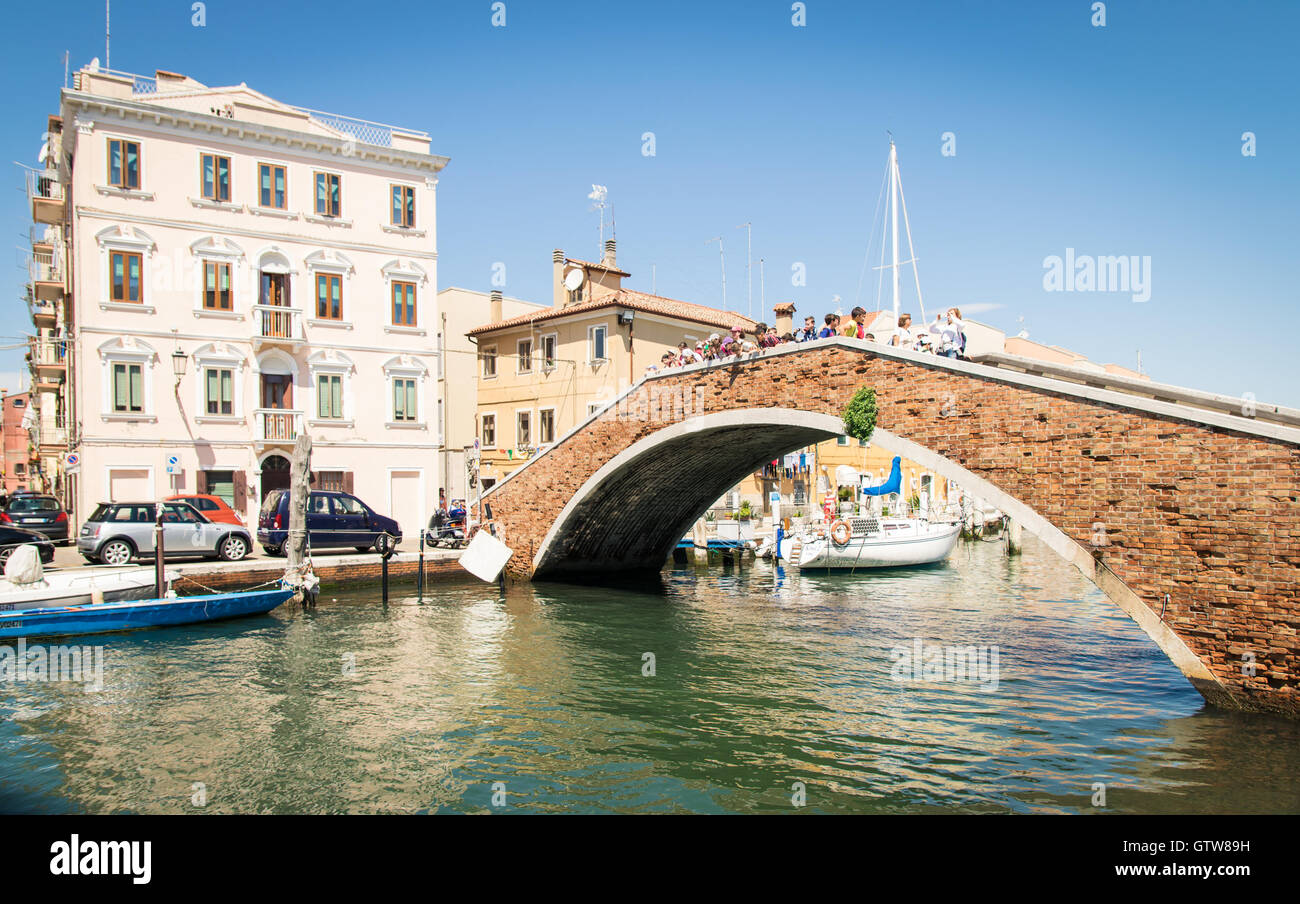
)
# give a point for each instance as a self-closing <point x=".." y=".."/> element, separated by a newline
<point x="869" y="542"/>
<point x="98" y="618"/>
<point x="79" y="588"/>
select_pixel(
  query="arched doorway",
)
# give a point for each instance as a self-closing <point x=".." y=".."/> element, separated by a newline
<point x="275" y="474"/>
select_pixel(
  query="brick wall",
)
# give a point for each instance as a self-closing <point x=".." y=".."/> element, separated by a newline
<point x="1205" y="514"/>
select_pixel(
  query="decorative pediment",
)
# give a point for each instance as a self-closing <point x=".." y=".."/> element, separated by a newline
<point x="216" y="246"/>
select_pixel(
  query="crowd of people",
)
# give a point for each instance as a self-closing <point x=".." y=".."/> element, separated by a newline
<point x="945" y="335"/>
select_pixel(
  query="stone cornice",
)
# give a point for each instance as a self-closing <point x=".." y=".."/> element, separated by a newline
<point x="169" y="118"/>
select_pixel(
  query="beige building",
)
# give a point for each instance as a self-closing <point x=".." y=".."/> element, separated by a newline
<point x="215" y="271"/>
<point x="542" y="373"/>
<point x="459" y="311"/>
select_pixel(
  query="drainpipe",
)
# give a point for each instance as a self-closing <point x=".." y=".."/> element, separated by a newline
<point x="446" y="406"/>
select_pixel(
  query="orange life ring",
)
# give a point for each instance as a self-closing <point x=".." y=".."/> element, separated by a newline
<point x="840" y="532"/>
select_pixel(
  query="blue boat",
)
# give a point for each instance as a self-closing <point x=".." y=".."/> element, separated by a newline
<point x="93" y="618"/>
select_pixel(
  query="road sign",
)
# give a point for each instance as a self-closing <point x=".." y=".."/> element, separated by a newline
<point x="71" y="462"/>
<point x="173" y="464"/>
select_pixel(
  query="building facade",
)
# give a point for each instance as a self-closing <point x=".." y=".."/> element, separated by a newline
<point x="227" y="271"/>
<point x="16" y="443"/>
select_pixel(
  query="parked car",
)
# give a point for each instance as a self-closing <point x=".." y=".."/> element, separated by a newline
<point x="13" y="537"/>
<point x="333" y="520"/>
<point x="37" y="512"/>
<point x="214" y="508"/>
<point x="117" y="532"/>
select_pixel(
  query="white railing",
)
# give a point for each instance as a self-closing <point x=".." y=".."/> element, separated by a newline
<point x="44" y="266"/>
<point x="140" y="84"/>
<point x="43" y="234"/>
<point x="277" y="323"/>
<point x="41" y="308"/>
<point x="277" y="425"/>
<point x="44" y="185"/>
<point x="49" y="352"/>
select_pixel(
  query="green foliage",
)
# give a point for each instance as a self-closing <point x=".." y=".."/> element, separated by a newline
<point x="860" y="415"/>
<point x="746" y="510"/>
<point x="846" y="494"/>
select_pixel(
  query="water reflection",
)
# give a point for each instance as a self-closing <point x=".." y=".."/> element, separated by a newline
<point x="763" y="678"/>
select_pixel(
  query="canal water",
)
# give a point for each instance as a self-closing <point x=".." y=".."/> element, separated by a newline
<point x="712" y="691"/>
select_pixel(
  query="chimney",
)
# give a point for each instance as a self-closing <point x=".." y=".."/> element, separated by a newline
<point x="559" y="295"/>
<point x="494" y="307"/>
<point x="610" y="259"/>
<point x="784" y="317"/>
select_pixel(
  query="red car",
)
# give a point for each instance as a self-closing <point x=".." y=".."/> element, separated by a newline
<point x="214" y="508"/>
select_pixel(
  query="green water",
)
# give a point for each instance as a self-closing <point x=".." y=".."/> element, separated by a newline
<point x="763" y="683"/>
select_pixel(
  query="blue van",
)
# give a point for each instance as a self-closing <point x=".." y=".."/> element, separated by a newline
<point x="334" y="520"/>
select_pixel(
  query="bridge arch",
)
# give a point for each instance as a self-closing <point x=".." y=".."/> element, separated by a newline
<point x="670" y="477"/>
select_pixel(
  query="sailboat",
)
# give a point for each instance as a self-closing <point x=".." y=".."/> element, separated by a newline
<point x="867" y="539"/>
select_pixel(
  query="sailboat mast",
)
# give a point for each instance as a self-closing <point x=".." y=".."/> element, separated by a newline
<point x="893" y="211"/>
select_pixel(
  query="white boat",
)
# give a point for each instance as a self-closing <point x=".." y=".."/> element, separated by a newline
<point x="870" y="542"/>
<point x="79" y="588"/>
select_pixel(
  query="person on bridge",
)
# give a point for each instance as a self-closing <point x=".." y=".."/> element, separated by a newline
<point x="832" y="327"/>
<point x="951" y="340"/>
<point x="903" y="336"/>
<point x="809" y="330"/>
<point x="856" y="328"/>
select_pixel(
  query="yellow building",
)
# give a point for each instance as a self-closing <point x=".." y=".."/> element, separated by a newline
<point x="543" y="372"/>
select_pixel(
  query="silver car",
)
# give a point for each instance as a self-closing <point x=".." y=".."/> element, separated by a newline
<point x="117" y="532"/>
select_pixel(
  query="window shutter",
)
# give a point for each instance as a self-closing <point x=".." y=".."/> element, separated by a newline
<point x="201" y="482"/>
<point x="347" y="482"/>
<point x="240" y="489"/>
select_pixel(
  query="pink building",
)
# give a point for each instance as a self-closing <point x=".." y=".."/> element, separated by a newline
<point x="17" y="458"/>
<point x="238" y="270"/>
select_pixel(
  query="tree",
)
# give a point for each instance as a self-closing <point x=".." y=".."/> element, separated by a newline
<point x="860" y="415"/>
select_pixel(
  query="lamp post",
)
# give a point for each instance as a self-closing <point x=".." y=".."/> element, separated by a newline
<point x="179" y="360"/>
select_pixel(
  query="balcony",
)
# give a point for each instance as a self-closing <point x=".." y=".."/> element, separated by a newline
<point x="277" y="426"/>
<point x="43" y="237"/>
<point x="50" y="436"/>
<point x="49" y="360"/>
<point x="45" y="272"/>
<point x="45" y="314"/>
<point x="46" y="195"/>
<point x="277" y="325"/>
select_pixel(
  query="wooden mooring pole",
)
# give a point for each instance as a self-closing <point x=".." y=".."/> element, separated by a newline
<point x="295" y="542"/>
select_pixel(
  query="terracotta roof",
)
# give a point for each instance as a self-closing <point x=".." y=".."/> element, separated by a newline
<point x="595" y="266"/>
<point x="635" y="301"/>
<point x="785" y="307"/>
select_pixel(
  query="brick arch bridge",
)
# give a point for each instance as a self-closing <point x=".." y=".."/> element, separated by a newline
<point x="1199" y="505"/>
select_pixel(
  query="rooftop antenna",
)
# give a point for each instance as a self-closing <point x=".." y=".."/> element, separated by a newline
<point x="749" y="266"/>
<point x="762" y="287"/>
<point x="65" y="69"/>
<point x="107" y="7"/>
<point x="653" y="284"/>
<point x="723" y="258"/>
<point x="598" y="194"/>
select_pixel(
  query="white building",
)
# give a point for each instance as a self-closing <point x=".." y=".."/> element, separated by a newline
<point x="227" y="271"/>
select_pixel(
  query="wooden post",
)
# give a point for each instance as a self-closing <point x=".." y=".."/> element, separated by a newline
<point x="159" y="553"/>
<point x="295" y="544"/>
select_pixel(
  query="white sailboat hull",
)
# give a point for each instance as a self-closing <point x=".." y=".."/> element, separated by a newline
<point x="922" y="544"/>
<point x="79" y="588"/>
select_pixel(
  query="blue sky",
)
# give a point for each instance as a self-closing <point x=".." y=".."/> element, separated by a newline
<point x="1118" y="140"/>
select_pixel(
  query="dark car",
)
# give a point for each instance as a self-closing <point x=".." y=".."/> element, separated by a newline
<point x="333" y="520"/>
<point x="37" y="512"/>
<point x="13" y="537"/>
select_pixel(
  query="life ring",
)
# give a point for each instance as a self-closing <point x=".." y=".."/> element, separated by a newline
<point x="840" y="532"/>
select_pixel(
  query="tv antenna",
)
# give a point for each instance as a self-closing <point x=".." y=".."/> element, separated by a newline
<point x="721" y="256"/>
<point x="749" y="266"/>
<point x="599" y="194"/>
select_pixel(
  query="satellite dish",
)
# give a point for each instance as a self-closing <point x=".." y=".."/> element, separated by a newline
<point x="94" y="65"/>
<point x="573" y="280"/>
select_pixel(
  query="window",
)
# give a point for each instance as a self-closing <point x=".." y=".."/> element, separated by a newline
<point x="329" y="396"/>
<point x="523" y="428"/>
<point x="220" y="392"/>
<point x="330" y="480"/>
<point x="20" y="403"/>
<point x="404" y="399"/>
<point x="403" y="303"/>
<point x="271" y="186"/>
<point x="489" y="431"/>
<point x="216" y="286"/>
<point x="593" y="407"/>
<point x="128" y="388"/>
<point x="489" y="356"/>
<point x="596" y="343"/>
<point x="220" y="484"/>
<point x="546" y="426"/>
<point x="525" y="348"/>
<point x="123" y="163"/>
<point x="329" y="297"/>
<point x="125" y="283"/>
<point x="214" y="172"/>
<point x="404" y="206"/>
<point x="328" y="202"/>
<point x="841" y="440"/>
<point x="548" y="351"/>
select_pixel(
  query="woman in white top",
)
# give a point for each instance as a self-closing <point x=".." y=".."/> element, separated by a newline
<point x="903" y="336"/>
<point x="949" y="330"/>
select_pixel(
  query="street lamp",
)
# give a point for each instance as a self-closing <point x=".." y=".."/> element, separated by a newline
<point x="179" y="360"/>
